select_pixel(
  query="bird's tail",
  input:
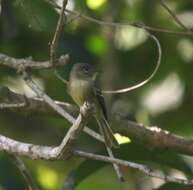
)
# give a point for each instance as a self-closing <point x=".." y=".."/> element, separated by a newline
<point x="107" y="132"/>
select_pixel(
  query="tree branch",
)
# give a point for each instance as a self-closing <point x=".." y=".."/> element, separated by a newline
<point x="117" y="24"/>
<point x="56" y="107"/>
<point x="158" y="63"/>
<point x="12" y="101"/>
<point x="115" y="166"/>
<point x="150" y="136"/>
<point x="51" y="153"/>
<point x="173" y="15"/>
<point x="153" y="137"/>
<point x="77" y="124"/>
<point x="28" y="63"/>
<point x="24" y="171"/>
<point x="74" y="131"/>
<point x="77" y="127"/>
<point x="146" y="170"/>
<point x="42" y="152"/>
<point x="57" y="33"/>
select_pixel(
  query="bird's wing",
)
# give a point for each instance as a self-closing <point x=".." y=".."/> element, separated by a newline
<point x="100" y="99"/>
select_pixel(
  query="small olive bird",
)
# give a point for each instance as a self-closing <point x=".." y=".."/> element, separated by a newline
<point x="82" y="87"/>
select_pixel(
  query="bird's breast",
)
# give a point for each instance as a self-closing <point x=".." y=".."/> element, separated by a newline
<point x="81" y="91"/>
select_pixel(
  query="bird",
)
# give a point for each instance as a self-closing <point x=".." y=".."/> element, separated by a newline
<point x="83" y="87"/>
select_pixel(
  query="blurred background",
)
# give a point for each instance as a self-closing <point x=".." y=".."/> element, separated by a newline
<point x="124" y="56"/>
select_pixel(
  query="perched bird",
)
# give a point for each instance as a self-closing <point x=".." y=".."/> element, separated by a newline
<point x="82" y="87"/>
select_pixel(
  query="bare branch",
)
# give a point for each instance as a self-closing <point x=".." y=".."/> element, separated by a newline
<point x="148" y="79"/>
<point x="118" y="24"/>
<point x="116" y="166"/>
<point x="177" y="20"/>
<point x="51" y="153"/>
<point x="46" y="98"/>
<point x="57" y="34"/>
<point x="134" y="24"/>
<point x="56" y="107"/>
<point x="153" y="137"/>
<point x="28" y="63"/>
<point x="34" y="105"/>
<point x="12" y="101"/>
<point x="149" y="136"/>
<point x="24" y="171"/>
<point x="36" y="152"/>
<point x="6" y="106"/>
<point x="74" y="131"/>
<point x="29" y="150"/>
<point x="146" y="170"/>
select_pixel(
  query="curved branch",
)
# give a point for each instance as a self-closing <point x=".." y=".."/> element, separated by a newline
<point x="128" y="89"/>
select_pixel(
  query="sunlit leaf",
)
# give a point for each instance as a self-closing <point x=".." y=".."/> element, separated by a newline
<point x="95" y="4"/>
<point x="47" y="177"/>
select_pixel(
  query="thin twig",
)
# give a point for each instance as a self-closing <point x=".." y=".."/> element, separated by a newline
<point x="143" y="168"/>
<point x="148" y="79"/>
<point x="116" y="166"/>
<point x="57" y="33"/>
<point x="11" y="105"/>
<point x="134" y="24"/>
<point x="118" y="24"/>
<point x="173" y="15"/>
<point x="24" y="171"/>
<point x="60" y="78"/>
